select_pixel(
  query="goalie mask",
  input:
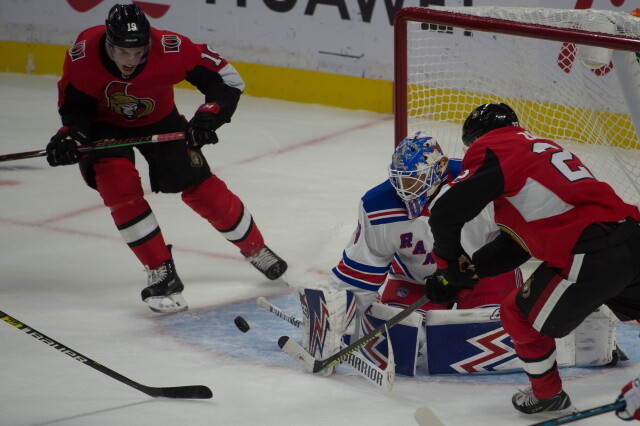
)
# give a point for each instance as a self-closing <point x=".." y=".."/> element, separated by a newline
<point x="417" y="169"/>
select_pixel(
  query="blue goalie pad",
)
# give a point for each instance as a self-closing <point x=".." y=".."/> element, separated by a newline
<point x="469" y="347"/>
<point x="404" y="339"/>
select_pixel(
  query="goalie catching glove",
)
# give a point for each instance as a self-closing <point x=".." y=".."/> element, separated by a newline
<point x="326" y="317"/>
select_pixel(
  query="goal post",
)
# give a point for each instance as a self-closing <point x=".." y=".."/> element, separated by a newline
<point x="570" y="75"/>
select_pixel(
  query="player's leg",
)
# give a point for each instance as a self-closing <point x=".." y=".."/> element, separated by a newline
<point x="119" y="185"/>
<point x="213" y="200"/>
<point x="173" y="167"/>
<point x="551" y="304"/>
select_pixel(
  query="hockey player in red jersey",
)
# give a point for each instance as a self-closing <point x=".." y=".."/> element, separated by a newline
<point x="117" y="83"/>
<point x="548" y="206"/>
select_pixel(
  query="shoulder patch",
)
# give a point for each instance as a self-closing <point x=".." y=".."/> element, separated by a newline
<point x="171" y="43"/>
<point x="77" y="51"/>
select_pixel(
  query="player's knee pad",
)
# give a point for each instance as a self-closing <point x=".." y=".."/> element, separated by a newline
<point x="405" y="338"/>
<point x="214" y="201"/>
<point x="326" y="317"/>
<point x="117" y="181"/>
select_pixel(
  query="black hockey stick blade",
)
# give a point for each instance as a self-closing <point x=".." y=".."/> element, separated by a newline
<point x="582" y="414"/>
<point x="181" y="392"/>
<point x="321" y="364"/>
<point x="187" y="392"/>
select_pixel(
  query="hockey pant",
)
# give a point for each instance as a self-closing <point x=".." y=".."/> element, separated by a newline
<point x="119" y="184"/>
<point x="488" y="291"/>
<point x="553" y="302"/>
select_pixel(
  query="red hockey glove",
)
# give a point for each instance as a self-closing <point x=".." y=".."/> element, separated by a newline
<point x="458" y="274"/>
<point x="438" y="291"/>
<point x="202" y="127"/>
<point x="63" y="147"/>
<point x="630" y="394"/>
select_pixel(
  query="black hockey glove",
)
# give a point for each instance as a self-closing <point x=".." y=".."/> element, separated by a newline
<point x="202" y="127"/>
<point x="458" y="273"/>
<point x="438" y="291"/>
<point x="62" y="150"/>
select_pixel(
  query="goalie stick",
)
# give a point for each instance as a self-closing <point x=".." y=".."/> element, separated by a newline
<point x="426" y="417"/>
<point x="582" y="414"/>
<point x="297" y="352"/>
<point x="383" y="379"/>
<point x="192" y="392"/>
<point x="102" y="144"/>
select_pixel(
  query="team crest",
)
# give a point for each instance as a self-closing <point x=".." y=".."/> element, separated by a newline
<point x="402" y="292"/>
<point x="171" y="43"/>
<point x="77" y="51"/>
<point x="525" y="291"/>
<point x="125" y="105"/>
<point x="196" y="158"/>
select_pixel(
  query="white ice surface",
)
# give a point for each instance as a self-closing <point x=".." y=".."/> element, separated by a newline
<point x="64" y="271"/>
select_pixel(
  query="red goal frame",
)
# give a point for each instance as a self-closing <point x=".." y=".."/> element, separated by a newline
<point x="471" y="22"/>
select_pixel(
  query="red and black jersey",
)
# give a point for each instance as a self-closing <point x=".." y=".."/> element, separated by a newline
<point x="92" y="89"/>
<point x="544" y="196"/>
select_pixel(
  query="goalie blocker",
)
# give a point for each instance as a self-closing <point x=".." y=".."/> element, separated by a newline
<point x="473" y="341"/>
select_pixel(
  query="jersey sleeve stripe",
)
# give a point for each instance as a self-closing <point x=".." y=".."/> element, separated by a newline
<point x="399" y="268"/>
<point x="355" y="282"/>
<point x="363" y="267"/>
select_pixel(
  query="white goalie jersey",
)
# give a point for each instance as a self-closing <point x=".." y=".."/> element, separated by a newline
<point x="387" y="243"/>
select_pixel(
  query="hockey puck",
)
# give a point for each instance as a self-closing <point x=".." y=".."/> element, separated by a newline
<point x="242" y="324"/>
<point x="282" y="341"/>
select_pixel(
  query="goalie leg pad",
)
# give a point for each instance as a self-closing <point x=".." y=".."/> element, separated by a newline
<point x="326" y="317"/>
<point x="404" y="336"/>
<point x="468" y="341"/>
<point x="473" y="340"/>
<point x="592" y="343"/>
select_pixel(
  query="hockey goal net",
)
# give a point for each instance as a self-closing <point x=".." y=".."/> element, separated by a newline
<point x="570" y="75"/>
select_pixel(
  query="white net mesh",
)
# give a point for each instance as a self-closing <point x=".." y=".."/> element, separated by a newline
<point x="452" y="70"/>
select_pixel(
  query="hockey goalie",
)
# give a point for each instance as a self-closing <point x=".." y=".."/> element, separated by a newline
<point x="387" y="265"/>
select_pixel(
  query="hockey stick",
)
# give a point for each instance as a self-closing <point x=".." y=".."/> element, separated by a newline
<point x="425" y="417"/>
<point x="297" y="352"/>
<point x="383" y="379"/>
<point x="102" y="144"/>
<point x="193" y="392"/>
<point x="264" y="303"/>
<point x="582" y="414"/>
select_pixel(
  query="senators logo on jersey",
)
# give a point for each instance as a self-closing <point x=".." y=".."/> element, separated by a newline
<point x="122" y="103"/>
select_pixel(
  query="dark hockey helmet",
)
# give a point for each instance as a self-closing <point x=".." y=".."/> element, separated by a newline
<point x="127" y="26"/>
<point x="485" y="118"/>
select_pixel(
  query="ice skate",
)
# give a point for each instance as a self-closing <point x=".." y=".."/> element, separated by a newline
<point x="164" y="290"/>
<point x="526" y="402"/>
<point x="269" y="263"/>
